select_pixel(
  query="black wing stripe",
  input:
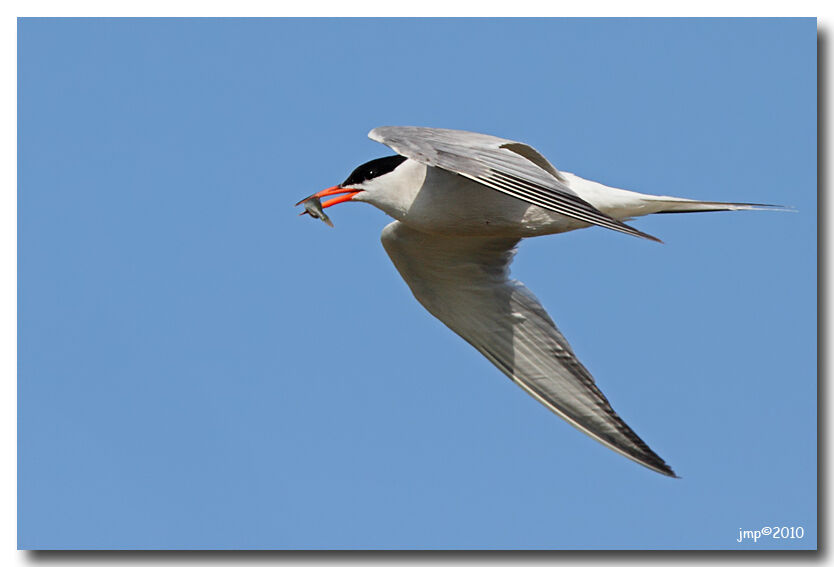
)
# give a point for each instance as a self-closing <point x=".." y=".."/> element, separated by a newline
<point x="568" y="202"/>
<point x="559" y="203"/>
<point x="567" y="199"/>
<point x="541" y="201"/>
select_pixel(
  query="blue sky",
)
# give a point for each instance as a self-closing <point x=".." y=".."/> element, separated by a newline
<point x="200" y="368"/>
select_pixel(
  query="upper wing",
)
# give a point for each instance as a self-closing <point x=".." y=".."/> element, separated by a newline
<point x="464" y="283"/>
<point x="510" y="167"/>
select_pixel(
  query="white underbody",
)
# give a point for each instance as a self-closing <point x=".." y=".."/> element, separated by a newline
<point x="437" y="201"/>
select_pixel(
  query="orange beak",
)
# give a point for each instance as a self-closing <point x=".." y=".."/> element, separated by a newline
<point x="346" y="195"/>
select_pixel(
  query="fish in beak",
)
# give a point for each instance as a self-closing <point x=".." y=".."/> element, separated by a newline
<point x="315" y="208"/>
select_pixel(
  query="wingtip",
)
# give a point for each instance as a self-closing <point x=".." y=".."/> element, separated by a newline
<point x="658" y="465"/>
<point x="620" y="226"/>
<point x="669" y="472"/>
<point x="639" y="233"/>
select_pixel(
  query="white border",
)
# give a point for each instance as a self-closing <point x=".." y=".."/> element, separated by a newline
<point x="468" y="8"/>
<point x="8" y="231"/>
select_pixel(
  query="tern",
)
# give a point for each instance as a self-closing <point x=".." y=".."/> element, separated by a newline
<point x="462" y="202"/>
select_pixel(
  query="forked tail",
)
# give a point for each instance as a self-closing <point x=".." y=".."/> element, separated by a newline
<point x="678" y="205"/>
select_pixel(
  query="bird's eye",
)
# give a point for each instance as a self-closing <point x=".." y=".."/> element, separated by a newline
<point x="372" y="173"/>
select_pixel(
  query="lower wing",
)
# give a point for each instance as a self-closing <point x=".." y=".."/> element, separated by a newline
<point x="464" y="282"/>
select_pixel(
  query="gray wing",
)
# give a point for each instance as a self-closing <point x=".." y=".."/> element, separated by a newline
<point x="464" y="282"/>
<point x="510" y="167"/>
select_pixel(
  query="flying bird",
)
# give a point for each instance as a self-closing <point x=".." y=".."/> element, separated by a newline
<point x="462" y="202"/>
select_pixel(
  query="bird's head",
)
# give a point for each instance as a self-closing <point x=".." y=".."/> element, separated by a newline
<point x="365" y="183"/>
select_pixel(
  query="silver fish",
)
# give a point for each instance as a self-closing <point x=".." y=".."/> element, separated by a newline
<point x="312" y="206"/>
